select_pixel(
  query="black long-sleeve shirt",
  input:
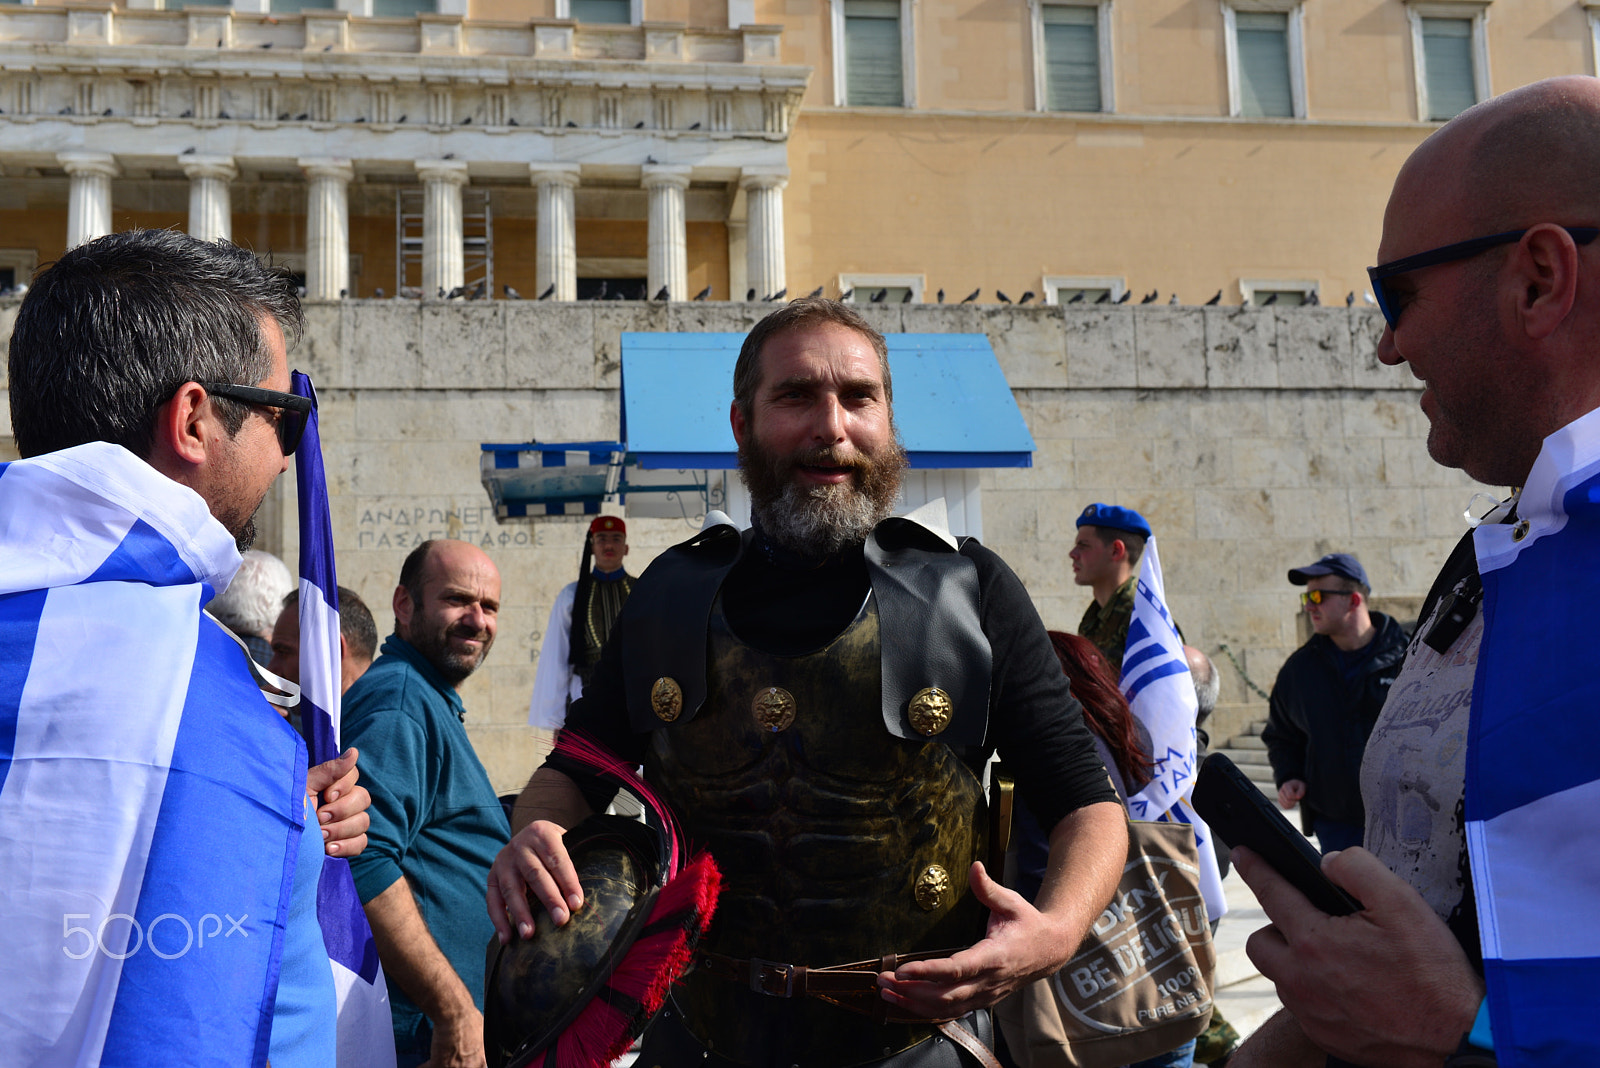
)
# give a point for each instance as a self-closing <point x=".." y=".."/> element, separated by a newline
<point x="1034" y="721"/>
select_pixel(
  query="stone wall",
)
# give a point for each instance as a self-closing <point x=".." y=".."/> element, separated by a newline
<point x="1253" y="439"/>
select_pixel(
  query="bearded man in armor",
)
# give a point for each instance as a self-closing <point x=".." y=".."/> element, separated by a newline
<point x="817" y="698"/>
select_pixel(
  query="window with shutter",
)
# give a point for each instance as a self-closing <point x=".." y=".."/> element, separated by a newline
<point x="1072" y="57"/>
<point x="872" y="54"/>
<point x="1447" y="63"/>
<point x="613" y="11"/>
<point x="1262" y="40"/>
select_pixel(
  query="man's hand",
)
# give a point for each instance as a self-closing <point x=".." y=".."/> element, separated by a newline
<point x="412" y="958"/>
<point x="1022" y="944"/>
<point x="457" y="1043"/>
<point x="1278" y="1043"/>
<point x="1291" y="793"/>
<point x="534" y="860"/>
<point x="343" y="808"/>
<point x="1389" y="985"/>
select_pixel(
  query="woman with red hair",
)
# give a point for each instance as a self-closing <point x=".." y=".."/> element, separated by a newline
<point x="1124" y="746"/>
<point x="1123" y="743"/>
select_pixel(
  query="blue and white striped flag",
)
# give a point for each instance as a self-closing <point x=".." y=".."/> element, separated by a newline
<point x="151" y="802"/>
<point x="1533" y="760"/>
<point x="1160" y="690"/>
<point x="366" y="1031"/>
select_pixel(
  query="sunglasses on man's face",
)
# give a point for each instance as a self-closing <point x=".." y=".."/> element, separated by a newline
<point x="1391" y="303"/>
<point x="294" y="410"/>
<point x="1318" y="596"/>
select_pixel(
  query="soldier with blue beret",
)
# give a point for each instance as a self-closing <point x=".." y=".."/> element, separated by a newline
<point x="1105" y="557"/>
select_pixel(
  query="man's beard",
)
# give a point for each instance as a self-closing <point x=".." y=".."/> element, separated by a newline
<point x="819" y="520"/>
<point x="245" y="536"/>
<point x="434" y="645"/>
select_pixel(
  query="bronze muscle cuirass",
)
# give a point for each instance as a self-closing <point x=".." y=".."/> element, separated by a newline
<point x="837" y="841"/>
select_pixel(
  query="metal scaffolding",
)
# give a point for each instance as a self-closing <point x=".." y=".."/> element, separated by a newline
<point x="477" y="241"/>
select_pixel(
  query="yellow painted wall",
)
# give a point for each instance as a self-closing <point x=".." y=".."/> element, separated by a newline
<point x="1169" y="54"/>
<point x="708" y="259"/>
<point x="974" y="188"/>
<point x="266" y="233"/>
<point x="514" y="255"/>
<point x="1186" y="207"/>
<point x="612" y="237"/>
<point x="511" y="10"/>
<point x="44" y="231"/>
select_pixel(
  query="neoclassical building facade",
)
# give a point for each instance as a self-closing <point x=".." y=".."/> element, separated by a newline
<point x="622" y="152"/>
<point x="1184" y="149"/>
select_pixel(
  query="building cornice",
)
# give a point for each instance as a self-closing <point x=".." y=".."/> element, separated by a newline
<point x="1131" y="121"/>
<point x="208" y="67"/>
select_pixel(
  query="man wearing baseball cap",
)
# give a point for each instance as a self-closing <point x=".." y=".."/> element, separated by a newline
<point x="1327" y="698"/>
<point x="573" y="637"/>
<point x="1105" y="557"/>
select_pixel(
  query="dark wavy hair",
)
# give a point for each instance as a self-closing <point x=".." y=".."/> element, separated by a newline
<point x="108" y="333"/>
<point x="1104" y="708"/>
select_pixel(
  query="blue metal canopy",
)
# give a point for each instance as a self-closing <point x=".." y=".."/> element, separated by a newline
<point x="951" y="401"/>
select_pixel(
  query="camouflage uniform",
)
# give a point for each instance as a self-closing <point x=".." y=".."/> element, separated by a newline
<point x="1107" y="627"/>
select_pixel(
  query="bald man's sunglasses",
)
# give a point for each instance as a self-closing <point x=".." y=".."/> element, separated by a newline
<point x="1461" y="250"/>
<point x="295" y="409"/>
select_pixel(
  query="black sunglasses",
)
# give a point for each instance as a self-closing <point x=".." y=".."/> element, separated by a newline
<point x="1318" y="596"/>
<point x="295" y="408"/>
<point x="1461" y="250"/>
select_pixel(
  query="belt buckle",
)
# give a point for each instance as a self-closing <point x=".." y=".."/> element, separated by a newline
<point x="765" y="973"/>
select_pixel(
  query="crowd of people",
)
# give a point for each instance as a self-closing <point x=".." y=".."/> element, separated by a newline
<point x="816" y="698"/>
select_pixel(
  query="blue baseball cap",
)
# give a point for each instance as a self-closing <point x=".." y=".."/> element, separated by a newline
<point x="1114" y="517"/>
<point x="1342" y="564"/>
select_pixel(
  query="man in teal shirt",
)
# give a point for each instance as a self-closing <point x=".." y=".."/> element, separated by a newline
<point x="436" y="822"/>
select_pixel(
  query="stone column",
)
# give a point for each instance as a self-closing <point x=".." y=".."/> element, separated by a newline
<point x="556" y="255"/>
<point x="669" y="242"/>
<point x="327" y="227"/>
<point x="210" y="208"/>
<point x="442" y="266"/>
<point x="763" y="188"/>
<point x="89" y="199"/>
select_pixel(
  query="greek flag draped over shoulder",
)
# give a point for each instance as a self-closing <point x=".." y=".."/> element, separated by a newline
<point x="151" y="802"/>
<point x="1533" y="760"/>
<point x="1160" y="690"/>
<point x="366" y="1035"/>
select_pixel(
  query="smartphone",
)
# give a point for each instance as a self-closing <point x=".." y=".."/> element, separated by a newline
<point x="1240" y="814"/>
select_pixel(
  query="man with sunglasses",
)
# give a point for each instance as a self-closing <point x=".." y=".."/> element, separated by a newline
<point x="1327" y="697"/>
<point x="160" y="847"/>
<point x="1478" y="870"/>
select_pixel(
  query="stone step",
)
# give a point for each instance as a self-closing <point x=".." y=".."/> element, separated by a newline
<point x="1248" y="758"/>
<point x="1252" y="729"/>
<point x="1247" y="741"/>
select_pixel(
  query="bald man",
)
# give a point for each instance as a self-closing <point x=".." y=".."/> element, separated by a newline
<point x="1480" y="779"/>
<point x="436" y="823"/>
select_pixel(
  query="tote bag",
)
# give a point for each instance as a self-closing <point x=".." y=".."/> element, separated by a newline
<point x="1140" y="984"/>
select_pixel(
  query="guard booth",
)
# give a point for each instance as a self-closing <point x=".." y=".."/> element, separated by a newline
<point x="675" y="456"/>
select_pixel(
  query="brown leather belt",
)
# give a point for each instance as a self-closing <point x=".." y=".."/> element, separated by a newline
<point x="852" y="986"/>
